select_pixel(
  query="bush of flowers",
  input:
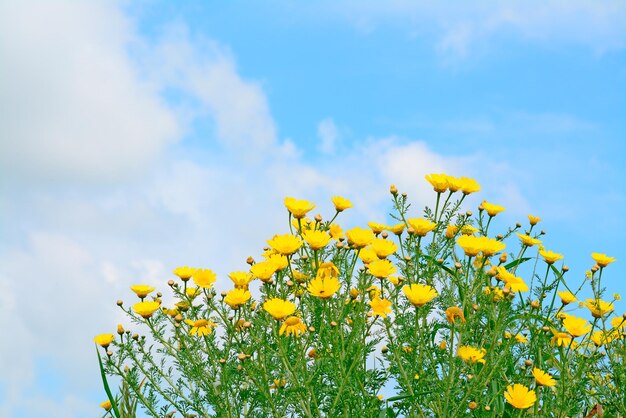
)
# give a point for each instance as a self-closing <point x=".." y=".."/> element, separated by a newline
<point x="436" y="315"/>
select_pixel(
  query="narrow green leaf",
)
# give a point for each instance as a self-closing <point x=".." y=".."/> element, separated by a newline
<point x="106" y="386"/>
<point x="516" y="262"/>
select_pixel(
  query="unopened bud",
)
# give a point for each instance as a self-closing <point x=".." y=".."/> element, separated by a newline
<point x="506" y="291"/>
<point x="542" y="232"/>
<point x="440" y="260"/>
<point x="404" y="194"/>
<point x="250" y="260"/>
<point x="120" y="329"/>
<point x="339" y="244"/>
<point x="492" y="271"/>
<point x="487" y="408"/>
<point x="312" y="353"/>
<point x="311" y="329"/>
<point x="499" y="237"/>
<point x="528" y="362"/>
<point x="545" y="329"/>
<point x="170" y="283"/>
<point x="458" y="265"/>
<point x="534" y="304"/>
<point x="393" y="189"/>
<point x="410" y="230"/>
<point x="595" y="268"/>
<point x="472" y="405"/>
<point x="318" y="218"/>
<point x="384" y="234"/>
<point x="503" y="258"/>
<point x="468" y="213"/>
<point x="120" y="302"/>
<point x="242" y="356"/>
<point x="223" y="294"/>
<point x="135" y="337"/>
<point x="475" y="307"/>
<point x="289" y="283"/>
<point x="333" y="324"/>
<point x="518" y="225"/>
<point x="407" y="258"/>
<point x="565" y="269"/>
<point x="178" y="318"/>
<point x="354" y="293"/>
<point x="384" y="349"/>
<point x="109" y="353"/>
<point x="304" y="257"/>
<point x="222" y="361"/>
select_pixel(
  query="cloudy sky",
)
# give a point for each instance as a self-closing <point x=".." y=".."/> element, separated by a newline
<point x="139" y="136"/>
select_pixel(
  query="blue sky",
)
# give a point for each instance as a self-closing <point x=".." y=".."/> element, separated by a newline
<point x="141" y="136"/>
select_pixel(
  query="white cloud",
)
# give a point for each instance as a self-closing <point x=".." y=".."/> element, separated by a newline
<point x="73" y="104"/>
<point x="328" y="135"/>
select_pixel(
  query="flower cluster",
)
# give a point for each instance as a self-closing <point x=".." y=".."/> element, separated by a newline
<point x="428" y="316"/>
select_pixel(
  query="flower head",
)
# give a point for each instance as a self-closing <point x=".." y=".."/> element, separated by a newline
<point x="279" y="261"/>
<point x="381" y="268"/>
<point x="528" y="241"/>
<point x="383" y="247"/>
<point x="380" y="307"/>
<point x="341" y="203"/>
<point x="142" y="290"/>
<point x="237" y="297"/>
<point x="285" y="244"/>
<point x="200" y="327"/>
<point x="491" y="209"/>
<point x="469" y="185"/>
<point x="106" y="405"/>
<point x="602" y="260"/>
<point x="396" y="229"/>
<point x="146" y="309"/>
<point x="567" y="297"/>
<point x="576" y="326"/>
<point x="550" y="257"/>
<point x="184" y="273"/>
<point x="104" y="340"/>
<point x="279" y="308"/>
<point x="472" y="355"/>
<point x="471" y="245"/>
<point x="368" y="255"/>
<point x="323" y="286"/>
<point x="419" y="294"/>
<point x="241" y="279"/>
<point x="454" y="312"/>
<point x="335" y="231"/>
<point x="376" y="227"/>
<point x="512" y="282"/>
<point x="519" y="396"/>
<point x="438" y="181"/>
<point x="316" y="239"/>
<point x="359" y="237"/>
<point x="421" y="227"/>
<point x="599" y="307"/>
<point x="292" y="326"/>
<point x="543" y="378"/>
<point x="263" y="270"/>
<point x="204" y="278"/>
<point x="298" y="208"/>
<point x="560" y="338"/>
<point x="490" y="246"/>
<point x="534" y="220"/>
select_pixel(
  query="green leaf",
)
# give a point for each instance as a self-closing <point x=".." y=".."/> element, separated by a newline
<point x="398" y="397"/>
<point x="106" y="386"/>
<point x="516" y="262"/>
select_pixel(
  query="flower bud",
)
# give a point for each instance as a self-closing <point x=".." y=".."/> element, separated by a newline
<point x="595" y="268"/>
<point x="384" y="349"/>
<point x="534" y="304"/>
<point x="242" y="356"/>
<point x="475" y="307"/>
<point x="404" y="194"/>
<point x="468" y="213"/>
<point x="354" y="293"/>
<point x="109" y="353"/>
<point x="518" y="225"/>
<point x="318" y="218"/>
<point x="120" y="329"/>
<point x="333" y="323"/>
<point x="503" y="258"/>
<point x="458" y="265"/>
<point x="472" y="405"/>
<point x="250" y="260"/>
<point x="311" y="329"/>
<point x="222" y="361"/>
<point x="528" y="362"/>
<point x="120" y="302"/>
<point x="565" y="269"/>
<point x="135" y="337"/>
<point x="487" y="408"/>
<point x="312" y="353"/>
<point x="289" y="283"/>
<point x="393" y="189"/>
<point x="384" y="234"/>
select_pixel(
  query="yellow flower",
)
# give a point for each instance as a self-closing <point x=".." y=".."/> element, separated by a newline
<point x="602" y="260"/>
<point x="263" y="270"/>
<point x="451" y="231"/>
<point x="279" y="261"/>
<point x="576" y="326"/>
<point x="454" y="183"/>
<point x="394" y="280"/>
<point x="298" y="208"/>
<point x="376" y="227"/>
<point x="491" y="246"/>
<point x="491" y="209"/>
<point x="104" y="340"/>
<point x="468" y="230"/>
<point x="438" y="181"/>
<point x="146" y="309"/>
<point x="600" y="338"/>
<point x="454" y="312"/>
<point x="520" y="338"/>
<point x="471" y="245"/>
<point x="192" y="292"/>
<point x="184" y="273"/>
<point x="599" y="307"/>
<point x="381" y="268"/>
<point x="534" y="220"/>
<point x="316" y="239"/>
<point x="472" y="355"/>
<point x="106" y="405"/>
<point x="516" y="284"/>
<point x="550" y="257"/>
<point x="341" y="203"/>
<point x="396" y="229"/>
<point x="285" y="244"/>
<point x="527" y="240"/>
<point x="323" y="286"/>
<point x="142" y="290"/>
<point x="519" y="396"/>
<point x="380" y="307"/>
<point x="469" y="185"/>
<point x="367" y="255"/>
<point x="560" y="338"/>
<point x="292" y="326"/>
<point x="359" y="237"/>
<point x="279" y="308"/>
<point x="241" y="279"/>
<point x="237" y="297"/>
<point x="383" y="247"/>
<point x="335" y="231"/>
<point x="200" y="327"/>
<point x="327" y="270"/>
<point x="566" y="297"/>
<point x="204" y="278"/>
<point x="543" y="378"/>
<point x="304" y="224"/>
<point x="619" y="322"/>
<point x="421" y="226"/>
<point x="419" y="294"/>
